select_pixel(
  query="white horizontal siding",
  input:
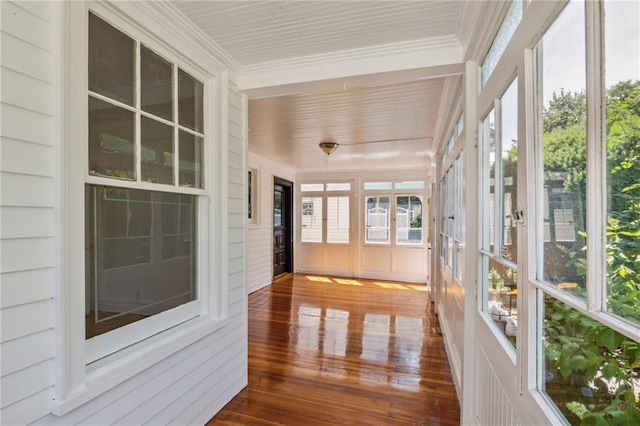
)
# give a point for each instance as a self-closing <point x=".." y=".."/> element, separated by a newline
<point x="23" y="287"/>
<point x="189" y="386"/>
<point x="14" y="357"/>
<point x="26" y="382"/>
<point x="26" y="158"/>
<point x="17" y="124"/>
<point x="28" y="410"/>
<point x="27" y="203"/>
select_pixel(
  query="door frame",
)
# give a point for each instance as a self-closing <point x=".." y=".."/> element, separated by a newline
<point x="287" y="217"/>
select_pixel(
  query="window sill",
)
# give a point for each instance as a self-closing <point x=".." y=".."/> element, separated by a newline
<point x="106" y="373"/>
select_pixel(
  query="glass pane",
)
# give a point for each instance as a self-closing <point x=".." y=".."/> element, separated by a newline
<point x="311" y="231"/>
<point x="500" y="283"/>
<point x="111" y="140"/>
<point x="337" y="219"/>
<point x="589" y="370"/>
<point x="140" y="255"/>
<point x="346" y="186"/>
<point x="111" y="61"/>
<point x="418" y="184"/>
<point x="377" y="220"/>
<point x="509" y="148"/>
<point x="460" y="125"/>
<point x="506" y="30"/>
<point x="157" y="151"/>
<point x="311" y="187"/>
<point x="190" y="168"/>
<point x="488" y="181"/>
<point x="459" y="222"/>
<point x="564" y="150"/>
<point x="450" y="216"/>
<point x="377" y="186"/>
<point x="156" y="95"/>
<point x="622" y="71"/>
<point x="190" y="102"/>
<point x="409" y="220"/>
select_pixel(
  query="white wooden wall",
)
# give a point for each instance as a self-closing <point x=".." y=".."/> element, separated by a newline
<point x="260" y="235"/>
<point x="188" y="387"/>
<point x="28" y="181"/>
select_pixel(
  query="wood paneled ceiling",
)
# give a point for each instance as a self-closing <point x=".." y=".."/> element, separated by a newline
<point x="378" y="126"/>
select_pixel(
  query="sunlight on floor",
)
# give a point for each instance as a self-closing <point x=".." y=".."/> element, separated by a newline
<point x="418" y="287"/>
<point x="391" y="285"/>
<point x="347" y="282"/>
<point x="319" y="279"/>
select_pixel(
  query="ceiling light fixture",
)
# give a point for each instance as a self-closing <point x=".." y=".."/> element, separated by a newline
<point x="328" y="147"/>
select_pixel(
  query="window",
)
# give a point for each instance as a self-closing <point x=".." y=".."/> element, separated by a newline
<point x="338" y="219"/>
<point x="377" y="220"/>
<point x="500" y="42"/>
<point x="324" y="217"/>
<point x="143" y="191"/>
<point x="459" y="247"/>
<point x="588" y="262"/>
<point x="409" y="220"/>
<point x="311" y="220"/>
<point x="499" y="212"/>
<point x="564" y="122"/>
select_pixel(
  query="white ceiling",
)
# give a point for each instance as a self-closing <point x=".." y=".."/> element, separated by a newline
<point x="380" y="122"/>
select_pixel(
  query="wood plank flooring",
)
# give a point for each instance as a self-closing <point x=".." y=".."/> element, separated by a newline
<point x="335" y="351"/>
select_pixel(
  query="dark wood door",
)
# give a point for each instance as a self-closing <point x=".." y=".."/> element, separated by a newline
<point x="282" y="227"/>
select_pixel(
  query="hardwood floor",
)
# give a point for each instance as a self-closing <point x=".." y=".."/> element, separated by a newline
<point x="326" y="350"/>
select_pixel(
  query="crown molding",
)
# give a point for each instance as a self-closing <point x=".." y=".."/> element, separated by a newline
<point x="172" y="18"/>
<point x="423" y="53"/>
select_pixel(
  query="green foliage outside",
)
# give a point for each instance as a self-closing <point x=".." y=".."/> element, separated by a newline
<point x="593" y="372"/>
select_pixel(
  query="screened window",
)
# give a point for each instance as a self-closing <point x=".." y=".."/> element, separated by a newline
<point x="145" y="164"/>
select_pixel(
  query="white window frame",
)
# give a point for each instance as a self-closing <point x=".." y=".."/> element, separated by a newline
<point x="88" y="368"/>
<point x="595" y="305"/>
<point x="324" y="193"/>
<point x="393" y="195"/>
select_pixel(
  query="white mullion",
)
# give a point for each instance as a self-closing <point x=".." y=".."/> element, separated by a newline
<point x="149" y="186"/>
<point x="111" y="101"/>
<point x="497" y="180"/>
<point x="156" y="118"/>
<point x="596" y="161"/>
<point x="138" y="121"/>
<point x="176" y="133"/>
<point x="188" y="130"/>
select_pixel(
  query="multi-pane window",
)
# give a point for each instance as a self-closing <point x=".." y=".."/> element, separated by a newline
<point x="324" y="217"/>
<point x="499" y="212"/>
<point x="394" y="217"/>
<point x="589" y="257"/>
<point x="451" y="194"/>
<point x="144" y="184"/>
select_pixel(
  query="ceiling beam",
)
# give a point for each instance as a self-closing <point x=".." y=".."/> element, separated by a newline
<point x="335" y="67"/>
